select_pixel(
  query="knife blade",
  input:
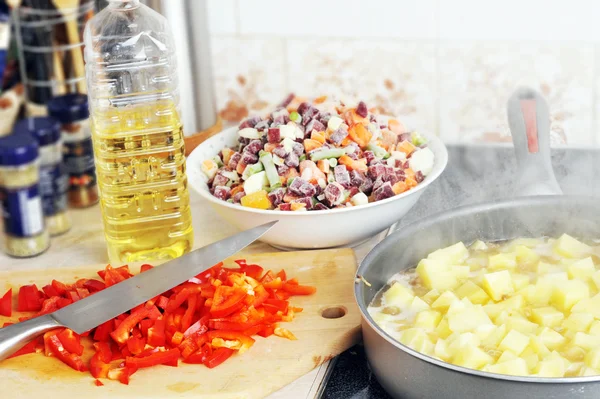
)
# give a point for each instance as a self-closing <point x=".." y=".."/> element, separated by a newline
<point x="104" y="305"/>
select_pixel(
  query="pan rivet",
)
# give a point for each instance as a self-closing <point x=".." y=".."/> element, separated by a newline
<point x="334" y="312"/>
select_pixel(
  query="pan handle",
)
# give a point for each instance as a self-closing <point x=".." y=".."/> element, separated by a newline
<point x="529" y="121"/>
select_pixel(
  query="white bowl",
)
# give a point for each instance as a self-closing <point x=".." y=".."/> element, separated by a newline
<point x="311" y="229"/>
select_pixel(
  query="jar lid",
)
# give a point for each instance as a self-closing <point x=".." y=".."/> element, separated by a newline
<point x="45" y="129"/>
<point x="18" y="149"/>
<point x="69" y="108"/>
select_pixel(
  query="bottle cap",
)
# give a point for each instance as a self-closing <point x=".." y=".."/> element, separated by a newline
<point x="18" y="149"/>
<point x="69" y="108"/>
<point x="45" y="129"/>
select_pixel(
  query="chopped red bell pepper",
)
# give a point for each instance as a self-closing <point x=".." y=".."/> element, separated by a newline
<point x="104" y="351"/>
<point x="188" y="347"/>
<point x="73" y="296"/>
<point x="186" y="320"/>
<point x="253" y="271"/>
<point x="122" y="374"/>
<point x="98" y="383"/>
<point x="30" y="347"/>
<point x="199" y="327"/>
<point x="136" y="344"/>
<point x="227" y="300"/>
<point x="161" y="357"/>
<point x="277" y="304"/>
<point x="145" y="326"/>
<point x="162" y="302"/>
<point x="102" y="332"/>
<point x="62" y="302"/>
<point x="60" y="287"/>
<point x="177" y="338"/>
<point x="50" y="291"/>
<point x="145" y="268"/>
<point x="99" y="368"/>
<point x="49" y="305"/>
<point x="94" y="285"/>
<point x="267" y="331"/>
<point x="6" y="304"/>
<point x="244" y="342"/>
<point x="296" y="289"/>
<point x="71" y="341"/>
<point x="218" y="357"/>
<point x="274" y="284"/>
<point x="70" y="359"/>
<point x="156" y="334"/>
<point x="200" y="356"/>
<point x="121" y="333"/>
<point x="282" y="275"/>
<point x="29" y="299"/>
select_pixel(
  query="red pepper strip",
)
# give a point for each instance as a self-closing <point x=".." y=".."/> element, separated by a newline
<point x="104" y="351"/>
<point x="73" y="296"/>
<point x="296" y="289"/>
<point x="29" y="348"/>
<point x="199" y="327"/>
<point x="218" y="357"/>
<point x="212" y="272"/>
<point x="186" y="320"/>
<point x="162" y="302"/>
<point x="49" y="305"/>
<point x="188" y="347"/>
<point x="273" y="285"/>
<point x="278" y="304"/>
<point x="98" y="383"/>
<point x="50" y="291"/>
<point x="283" y="295"/>
<point x="254" y="330"/>
<point x="178" y="299"/>
<point x="98" y="368"/>
<point x="82" y="292"/>
<point x="62" y="302"/>
<point x="102" y="332"/>
<point x="177" y="338"/>
<point x="208" y="292"/>
<point x="122" y="374"/>
<point x="71" y="341"/>
<point x="145" y="268"/>
<point x="145" y="325"/>
<point x="268" y="277"/>
<point x="253" y="271"/>
<point x="112" y="277"/>
<point x="156" y="334"/>
<point x="6" y="304"/>
<point x="47" y="336"/>
<point x="200" y="356"/>
<point x="154" y="359"/>
<point x="136" y="344"/>
<point x="60" y="287"/>
<point x="267" y="331"/>
<point x="29" y="299"/>
<point x="224" y="324"/>
<point x="94" y="285"/>
<point x="260" y="295"/>
<point x="227" y="300"/>
<point x="121" y="333"/>
<point x="282" y="275"/>
<point x="245" y="342"/>
<point x="70" y="359"/>
<point x="293" y="281"/>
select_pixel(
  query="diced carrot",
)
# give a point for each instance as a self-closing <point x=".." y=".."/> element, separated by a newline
<point x="360" y="135"/>
<point x="358" y="165"/>
<point x="323" y="165"/>
<point x="346" y="141"/>
<point x="237" y="189"/>
<point x="410" y="179"/>
<point x="240" y="167"/>
<point x="310" y="144"/>
<point x="320" y="100"/>
<point x="399" y="187"/>
<point x="352" y="118"/>
<point x="396" y="126"/>
<point x="291" y="173"/>
<point x="269" y="147"/>
<point x="318" y="136"/>
<point x="406" y="147"/>
<point x="298" y="206"/>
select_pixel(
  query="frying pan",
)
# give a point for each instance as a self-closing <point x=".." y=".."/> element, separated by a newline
<point x="542" y="211"/>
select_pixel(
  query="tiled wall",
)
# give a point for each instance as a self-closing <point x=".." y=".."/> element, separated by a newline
<point x="444" y="66"/>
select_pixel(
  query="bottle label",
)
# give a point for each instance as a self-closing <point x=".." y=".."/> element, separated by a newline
<point x="78" y="157"/>
<point x="22" y="211"/>
<point x="54" y="184"/>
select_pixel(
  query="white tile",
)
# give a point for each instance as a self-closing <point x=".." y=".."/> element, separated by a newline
<point x="222" y="16"/>
<point x="477" y="78"/>
<point x="249" y="73"/>
<point x="398" y="77"/>
<point x="517" y="19"/>
<point x="340" y="18"/>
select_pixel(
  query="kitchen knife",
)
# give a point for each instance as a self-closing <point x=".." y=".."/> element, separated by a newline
<point x="102" y="306"/>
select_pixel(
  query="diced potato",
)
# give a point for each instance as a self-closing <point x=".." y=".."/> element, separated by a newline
<point x="571" y="248"/>
<point x="451" y="255"/>
<point x="551" y="338"/>
<point x="551" y="368"/>
<point x="442" y="303"/>
<point x="398" y="295"/>
<point x="568" y="293"/>
<point x="484" y="331"/>
<point x="536" y="344"/>
<point x="428" y="319"/>
<point x="443" y="329"/>
<point x="585" y="341"/>
<point x="526" y="242"/>
<point x="502" y="318"/>
<point x="532" y="361"/>
<point x="468" y="319"/>
<point x="425" y="347"/>
<point x="515" y="342"/>
<point x="441" y="350"/>
<point x="592" y="359"/>
<point x="457" y="342"/>
<point x="436" y="274"/>
<point x="479" y="246"/>
<point x="545" y="268"/>
<point x="516" y="366"/>
<point x="574" y="353"/>
<point x="472" y="357"/>
<point x="519" y="281"/>
<point x="418" y="305"/>
<point x="460" y="272"/>
<point x="581" y="269"/>
<point x="556" y="355"/>
<point x="506" y="356"/>
<point x="472" y="291"/>
<point x="547" y="316"/>
<point x="381" y="318"/>
<point x="413" y="337"/>
<point x="502" y="261"/>
<point x="515" y="302"/>
<point x="588" y="372"/>
<point x="498" y="284"/>
<point x="431" y="296"/>
<point x="494" y="339"/>
<point x="521" y="325"/>
<point x="526" y="256"/>
<point x="588" y="305"/>
<point x="594" y="327"/>
<point x="596" y="279"/>
<point x="578" y="322"/>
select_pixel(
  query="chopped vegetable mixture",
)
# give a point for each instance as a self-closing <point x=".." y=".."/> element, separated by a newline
<point x="318" y="155"/>
<point x="205" y="320"/>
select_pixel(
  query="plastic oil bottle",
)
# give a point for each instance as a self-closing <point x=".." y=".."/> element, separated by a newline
<point x="137" y="134"/>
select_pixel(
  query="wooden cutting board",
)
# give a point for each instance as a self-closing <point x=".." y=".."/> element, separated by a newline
<point x="268" y="366"/>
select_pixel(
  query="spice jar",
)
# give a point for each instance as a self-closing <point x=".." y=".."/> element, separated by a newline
<point x="78" y="154"/>
<point x="53" y="178"/>
<point x="25" y="232"/>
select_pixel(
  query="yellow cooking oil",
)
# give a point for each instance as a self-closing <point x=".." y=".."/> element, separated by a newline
<point x="140" y="165"/>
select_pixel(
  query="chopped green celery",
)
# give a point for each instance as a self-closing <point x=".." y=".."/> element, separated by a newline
<point x="333" y="162"/>
<point x="266" y="158"/>
<point x="302" y="157"/>
<point x="278" y="160"/>
<point x="230" y="201"/>
<point x="231" y="175"/>
<point x="330" y="178"/>
<point x="294" y="116"/>
<point x="327" y="153"/>
<point x="289" y="181"/>
<point x="417" y="139"/>
<point x="218" y="160"/>
<point x="252" y="169"/>
<point x="378" y="151"/>
<point x="346" y="195"/>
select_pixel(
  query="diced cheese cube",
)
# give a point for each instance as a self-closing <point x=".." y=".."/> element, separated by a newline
<point x="515" y="366"/>
<point x="581" y="269"/>
<point x="592" y="358"/>
<point x="453" y="254"/>
<point x="428" y="319"/>
<point x="515" y="342"/>
<point x="556" y="355"/>
<point x="441" y="350"/>
<point x="520" y="281"/>
<point x="398" y="295"/>
<point x="551" y="338"/>
<point x="418" y="305"/>
<point x="472" y="291"/>
<point x="578" y="322"/>
<point x="443" y="302"/>
<point x="498" y="284"/>
<point x="494" y="339"/>
<point x="436" y="274"/>
<point x="472" y="357"/>
<point x="551" y="368"/>
<point x="506" y="356"/>
<point x="468" y="319"/>
<point x="526" y="256"/>
<point x="431" y="296"/>
<point x="571" y="248"/>
<point x="568" y="293"/>
<point x="425" y="347"/>
<point x="443" y="329"/>
<point x="502" y="261"/>
<point x="586" y="341"/>
<point x="547" y="316"/>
